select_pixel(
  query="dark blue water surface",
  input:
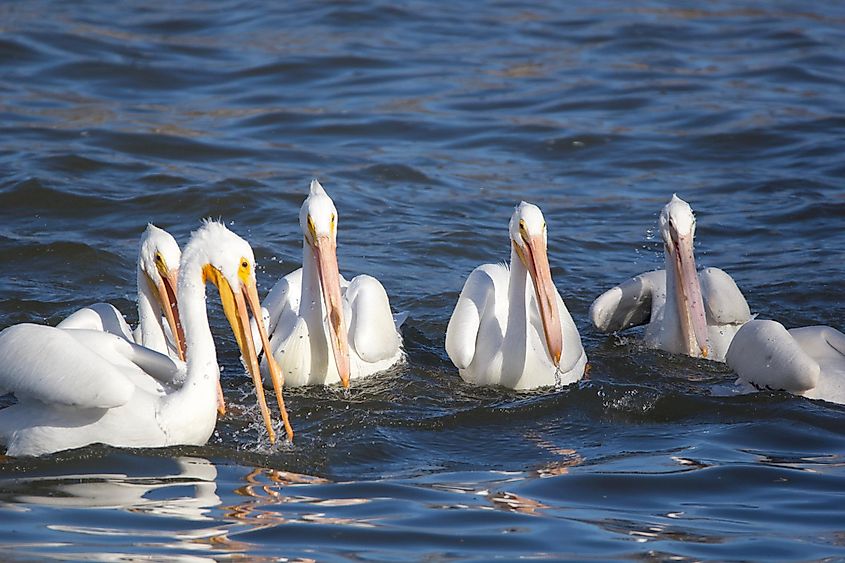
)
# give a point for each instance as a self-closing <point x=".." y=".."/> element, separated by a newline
<point x="427" y="122"/>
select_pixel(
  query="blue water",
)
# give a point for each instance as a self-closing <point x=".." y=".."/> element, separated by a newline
<point x="427" y="122"/>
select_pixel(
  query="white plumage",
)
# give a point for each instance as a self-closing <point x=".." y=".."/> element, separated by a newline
<point x="807" y="361"/>
<point x="505" y="332"/>
<point x="686" y="311"/>
<point x="158" y="317"/>
<point x="76" y="387"/>
<point x="324" y="329"/>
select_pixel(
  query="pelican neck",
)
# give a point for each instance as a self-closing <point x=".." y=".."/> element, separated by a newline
<point x="517" y="298"/>
<point x="311" y="297"/>
<point x="150" y="331"/>
<point x="200" y="352"/>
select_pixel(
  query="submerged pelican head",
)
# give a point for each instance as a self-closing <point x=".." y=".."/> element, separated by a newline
<point x="677" y="227"/>
<point x="158" y="260"/>
<point x="529" y="239"/>
<point x="318" y="219"/>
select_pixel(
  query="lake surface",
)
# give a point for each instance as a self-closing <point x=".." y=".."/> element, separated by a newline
<point x="427" y="122"/>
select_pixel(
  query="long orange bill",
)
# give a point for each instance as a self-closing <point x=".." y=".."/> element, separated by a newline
<point x="326" y="252"/>
<point x="690" y="302"/>
<point x="235" y="309"/>
<point x="167" y="296"/>
<point x="251" y="359"/>
<point x="536" y="260"/>
<point x="251" y="296"/>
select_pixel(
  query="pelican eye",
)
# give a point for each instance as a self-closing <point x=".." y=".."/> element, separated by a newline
<point x="161" y="265"/>
<point x="244" y="270"/>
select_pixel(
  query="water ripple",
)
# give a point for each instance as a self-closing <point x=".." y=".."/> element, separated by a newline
<point x="428" y="122"/>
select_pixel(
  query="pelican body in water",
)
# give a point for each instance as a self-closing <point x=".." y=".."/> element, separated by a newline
<point x="807" y="361"/>
<point x="157" y="275"/>
<point x="686" y="311"/>
<point x="76" y="387"/>
<point x="508" y="331"/>
<point x="324" y="329"/>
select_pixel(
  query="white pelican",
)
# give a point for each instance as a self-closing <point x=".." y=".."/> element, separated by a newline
<point x="688" y="312"/>
<point x="808" y="361"/>
<point x="504" y="333"/>
<point x="324" y="329"/>
<point x="76" y="387"/>
<point x="157" y="275"/>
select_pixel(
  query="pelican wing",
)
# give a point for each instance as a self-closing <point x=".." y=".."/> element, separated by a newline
<point x="292" y="353"/>
<point x="628" y="304"/>
<point x="133" y="359"/>
<point x="50" y="365"/>
<point x="462" y="332"/>
<point x="820" y="342"/>
<point x="283" y="299"/>
<point x="99" y="316"/>
<point x="765" y="354"/>
<point x="723" y="301"/>
<point x="372" y="330"/>
<point x="280" y="309"/>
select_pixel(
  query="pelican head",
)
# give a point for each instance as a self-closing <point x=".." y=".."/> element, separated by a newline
<point x="228" y="262"/>
<point x="528" y="237"/>
<point x="677" y="227"/>
<point x="318" y="219"/>
<point x="158" y="259"/>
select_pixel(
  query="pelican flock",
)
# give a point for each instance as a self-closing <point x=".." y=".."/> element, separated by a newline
<point x="324" y="329"/>
<point x="685" y="311"/>
<point x="91" y="379"/>
<point x="77" y="386"/>
<point x="159" y="328"/>
<point x="505" y="331"/>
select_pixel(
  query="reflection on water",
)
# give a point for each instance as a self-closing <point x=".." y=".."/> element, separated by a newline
<point x="156" y="500"/>
<point x="161" y="495"/>
<point x="188" y="510"/>
<point x="268" y="490"/>
<point x="191" y="508"/>
<point x="564" y="457"/>
<point x="498" y="493"/>
<point x="262" y="499"/>
<point x="643" y="533"/>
